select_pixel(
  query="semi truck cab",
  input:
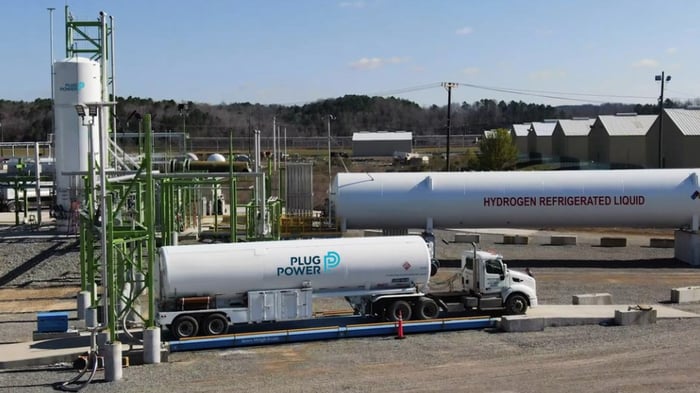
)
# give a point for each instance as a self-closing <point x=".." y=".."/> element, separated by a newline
<point x="491" y="285"/>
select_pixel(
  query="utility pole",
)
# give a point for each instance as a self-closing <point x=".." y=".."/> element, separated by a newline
<point x="663" y="78"/>
<point x="449" y="86"/>
<point x="330" y="117"/>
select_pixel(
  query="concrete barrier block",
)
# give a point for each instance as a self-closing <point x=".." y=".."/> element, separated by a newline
<point x="517" y="239"/>
<point x="685" y="295"/>
<point x="592" y="299"/>
<point x="563" y="240"/>
<point x="467" y="238"/>
<point x="613" y="242"/>
<point x="661" y="243"/>
<point x="521" y="323"/>
<point x="635" y="317"/>
<point x="372" y="233"/>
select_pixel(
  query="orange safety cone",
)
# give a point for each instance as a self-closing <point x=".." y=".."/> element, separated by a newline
<point x="399" y="333"/>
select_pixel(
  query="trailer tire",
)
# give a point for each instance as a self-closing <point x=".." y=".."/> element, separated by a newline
<point x="516" y="304"/>
<point x="426" y="308"/>
<point x="214" y="325"/>
<point x="185" y="326"/>
<point x="398" y="308"/>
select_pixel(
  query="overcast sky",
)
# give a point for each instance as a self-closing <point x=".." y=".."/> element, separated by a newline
<point x="297" y="51"/>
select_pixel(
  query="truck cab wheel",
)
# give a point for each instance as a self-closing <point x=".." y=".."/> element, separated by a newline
<point x="214" y="325"/>
<point x="516" y="304"/>
<point x="398" y="309"/>
<point x="426" y="308"/>
<point x="185" y="326"/>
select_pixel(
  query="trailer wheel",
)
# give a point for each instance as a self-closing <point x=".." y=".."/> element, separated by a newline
<point x="398" y="308"/>
<point x="214" y="325"/>
<point x="185" y="326"/>
<point x="426" y="308"/>
<point x="516" y="304"/>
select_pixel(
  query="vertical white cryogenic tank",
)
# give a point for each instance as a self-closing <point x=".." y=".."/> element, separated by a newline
<point x="636" y="198"/>
<point x="76" y="81"/>
<point x="325" y="265"/>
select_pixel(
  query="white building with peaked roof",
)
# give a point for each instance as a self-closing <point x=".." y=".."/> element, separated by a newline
<point x="680" y="139"/>
<point x="518" y="133"/>
<point x="539" y="137"/>
<point x="570" y="139"/>
<point x="621" y="139"/>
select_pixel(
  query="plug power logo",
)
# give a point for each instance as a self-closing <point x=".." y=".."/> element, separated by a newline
<point x="331" y="260"/>
<point x="309" y="265"/>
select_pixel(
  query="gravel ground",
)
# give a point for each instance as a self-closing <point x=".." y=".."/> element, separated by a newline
<point x="654" y="358"/>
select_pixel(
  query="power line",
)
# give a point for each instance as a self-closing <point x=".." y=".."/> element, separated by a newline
<point x="534" y="94"/>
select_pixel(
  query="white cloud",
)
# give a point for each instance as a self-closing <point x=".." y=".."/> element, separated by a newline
<point x="470" y="70"/>
<point x="352" y="4"/>
<point x="370" y="63"/>
<point x="646" y="63"/>
<point x="543" y="75"/>
<point x="464" y="31"/>
<point x="672" y="51"/>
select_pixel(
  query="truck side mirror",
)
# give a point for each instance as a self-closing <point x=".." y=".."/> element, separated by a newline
<point x="502" y="276"/>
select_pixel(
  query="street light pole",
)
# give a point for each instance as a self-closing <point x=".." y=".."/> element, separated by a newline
<point x="663" y="78"/>
<point x="51" y="9"/>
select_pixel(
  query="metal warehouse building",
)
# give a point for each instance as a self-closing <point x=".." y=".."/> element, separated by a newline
<point x="621" y="139"/>
<point x="381" y="143"/>
<point x="680" y="139"/>
<point x="539" y="138"/>
<point x="570" y="139"/>
<point x="519" y="132"/>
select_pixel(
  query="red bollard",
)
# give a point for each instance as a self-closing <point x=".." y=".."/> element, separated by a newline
<point x="400" y="335"/>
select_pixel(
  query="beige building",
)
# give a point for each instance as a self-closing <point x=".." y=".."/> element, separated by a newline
<point x="519" y="132"/>
<point x="621" y="139"/>
<point x="570" y="139"/>
<point x="680" y="139"/>
<point x="539" y="138"/>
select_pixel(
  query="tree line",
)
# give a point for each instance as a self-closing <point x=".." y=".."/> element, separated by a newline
<point x="32" y="121"/>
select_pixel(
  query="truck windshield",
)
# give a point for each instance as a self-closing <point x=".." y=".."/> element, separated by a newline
<point x="494" y="266"/>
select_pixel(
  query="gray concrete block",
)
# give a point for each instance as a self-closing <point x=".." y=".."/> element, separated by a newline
<point x="563" y="240"/>
<point x="467" y="238"/>
<point x="517" y="239"/>
<point x="635" y="317"/>
<point x="613" y="242"/>
<point x="685" y="295"/>
<point x="661" y="243"/>
<point x="521" y="323"/>
<point x="592" y="299"/>
<point x="372" y="232"/>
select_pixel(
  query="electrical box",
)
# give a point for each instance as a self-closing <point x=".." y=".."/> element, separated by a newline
<point x="280" y="305"/>
<point x="52" y="322"/>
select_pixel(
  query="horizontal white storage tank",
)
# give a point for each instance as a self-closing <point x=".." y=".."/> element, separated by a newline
<point x="634" y="198"/>
<point x="326" y="265"/>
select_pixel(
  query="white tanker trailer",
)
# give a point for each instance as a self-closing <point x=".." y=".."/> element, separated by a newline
<point x="632" y="198"/>
<point x="203" y="289"/>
